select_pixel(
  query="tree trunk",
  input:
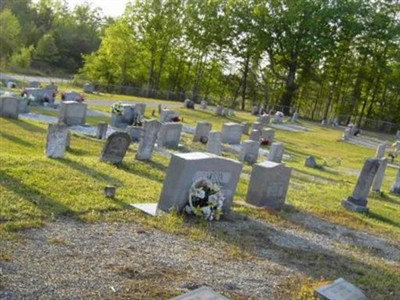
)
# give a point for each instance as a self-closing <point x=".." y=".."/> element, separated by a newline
<point x="291" y="86"/>
<point x="244" y="82"/>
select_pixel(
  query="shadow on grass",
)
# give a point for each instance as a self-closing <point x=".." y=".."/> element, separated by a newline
<point x="134" y="168"/>
<point x="49" y="206"/>
<point x="311" y="177"/>
<point x="77" y="152"/>
<point x="374" y="215"/>
<point x="15" y="139"/>
<point x="90" y="172"/>
<point x="28" y="126"/>
<point x="305" y="255"/>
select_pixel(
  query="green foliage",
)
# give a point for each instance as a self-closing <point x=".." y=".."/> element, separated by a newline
<point x="23" y="58"/>
<point x="10" y="33"/>
<point x="46" y="49"/>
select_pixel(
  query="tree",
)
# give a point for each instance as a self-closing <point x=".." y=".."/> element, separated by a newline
<point x="10" y="34"/>
<point x="46" y="49"/>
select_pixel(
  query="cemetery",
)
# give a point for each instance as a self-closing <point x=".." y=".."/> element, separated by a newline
<point x="297" y="224"/>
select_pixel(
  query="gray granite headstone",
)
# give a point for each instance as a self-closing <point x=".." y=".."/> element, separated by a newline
<point x="231" y="133"/>
<point x="23" y="106"/>
<point x="398" y="135"/>
<point x="255" y="135"/>
<point x="146" y="144"/>
<point x="249" y="152"/>
<point x="257" y="126"/>
<point x="72" y="113"/>
<point x="9" y="107"/>
<point x="269" y="183"/>
<point x="245" y="128"/>
<point x="202" y="130"/>
<point x="254" y="110"/>
<point x="264" y="119"/>
<point x="219" y="110"/>
<point x="88" y="88"/>
<point x="396" y="186"/>
<point x="203" y="104"/>
<point x="169" y="135"/>
<point x="34" y="84"/>
<point x="140" y="109"/>
<point x="268" y="134"/>
<point x="135" y="132"/>
<point x="57" y="135"/>
<point x="340" y="289"/>
<point x="276" y="152"/>
<point x="380" y="150"/>
<point x="214" y="142"/>
<point x="101" y="131"/>
<point x="295" y="117"/>
<point x="358" y="200"/>
<point x="118" y="120"/>
<point x="129" y="113"/>
<point x="380" y="175"/>
<point x="202" y="293"/>
<point x="185" y="168"/>
<point x="116" y="147"/>
<point x="167" y="115"/>
<point x="72" y="96"/>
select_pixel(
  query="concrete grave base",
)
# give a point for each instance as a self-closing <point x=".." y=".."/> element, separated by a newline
<point x="148" y="208"/>
<point x="203" y="293"/>
<point x="354" y="207"/>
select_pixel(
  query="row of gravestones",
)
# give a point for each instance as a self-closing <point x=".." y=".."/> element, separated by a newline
<point x="222" y="111"/>
<point x="11" y="107"/>
<point x="370" y="178"/>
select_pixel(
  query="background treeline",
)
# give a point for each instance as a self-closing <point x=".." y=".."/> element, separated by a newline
<point x="326" y="58"/>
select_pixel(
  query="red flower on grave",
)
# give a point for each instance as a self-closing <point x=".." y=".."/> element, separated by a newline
<point x="265" y="142"/>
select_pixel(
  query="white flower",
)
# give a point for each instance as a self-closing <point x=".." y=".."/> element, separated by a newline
<point x="216" y="187"/>
<point x="206" y="211"/>
<point x="213" y="199"/>
<point x="188" y="209"/>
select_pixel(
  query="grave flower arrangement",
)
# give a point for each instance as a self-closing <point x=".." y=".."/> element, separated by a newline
<point x="117" y="108"/>
<point x="176" y="119"/>
<point x="265" y="142"/>
<point x="205" y="200"/>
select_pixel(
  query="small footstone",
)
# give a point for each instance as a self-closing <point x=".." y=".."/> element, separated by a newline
<point x="203" y="293"/>
<point x="340" y="289"/>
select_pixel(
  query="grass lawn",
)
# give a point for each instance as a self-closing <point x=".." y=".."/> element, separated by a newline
<point x="35" y="190"/>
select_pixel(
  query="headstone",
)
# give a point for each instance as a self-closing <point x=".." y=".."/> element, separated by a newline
<point x="202" y="293"/>
<point x="9" y="107"/>
<point x="276" y="152"/>
<point x="358" y="200"/>
<point x="269" y="183"/>
<point x="264" y="119"/>
<point x="396" y="186"/>
<point x="116" y="147"/>
<point x="380" y="150"/>
<point x="380" y="174"/>
<point x="101" y="132"/>
<point x="257" y="126"/>
<point x="202" y="130"/>
<point x="255" y="135"/>
<point x="398" y="135"/>
<point x="347" y="133"/>
<point x="88" y="88"/>
<point x="254" y="110"/>
<point x="68" y="143"/>
<point x="249" y="152"/>
<point x="23" y="106"/>
<point x="72" y="113"/>
<point x="129" y="114"/>
<point x="268" y="134"/>
<point x="203" y="105"/>
<point x="140" y="109"/>
<point x="340" y="289"/>
<point x="118" y="120"/>
<point x="295" y="117"/>
<point x="72" y="96"/>
<point x="135" y="132"/>
<point x="231" y="133"/>
<point x="245" y="128"/>
<point x="225" y="112"/>
<point x="169" y="135"/>
<point x="188" y="104"/>
<point x="323" y="122"/>
<point x="34" y="84"/>
<point x="168" y="115"/>
<point x="214" y="142"/>
<point x="310" y="162"/>
<point x="11" y="85"/>
<point x="278" y="118"/>
<point x="57" y="135"/>
<point x="218" y="110"/>
<point x="185" y="168"/>
<point x="231" y="112"/>
<point x="146" y="144"/>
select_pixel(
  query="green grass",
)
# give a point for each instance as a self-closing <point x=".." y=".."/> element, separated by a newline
<point x="35" y="190"/>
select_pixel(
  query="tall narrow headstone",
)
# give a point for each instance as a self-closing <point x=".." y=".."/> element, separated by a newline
<point x="116" y="147"/>
<point x="249" y="152"/>
<point x="146" y="144"/>
<point x="101" y="132"/>
<point x="135" y="132"/>
<point x="269" y="183"/>
<point x="396" y="186"/>
<point x="380" y="174"/>
<point x="202" y="130"/>
<point x="295" y="117"/>
<point x="218" y="110"/>
<point x="185" y="168"/>
<point x="380" y="150"/>
<point x="358" y="200"/>
<point x="214" y="142"/>
<point x="245" y="128"/>
<point x="169" y="135"/>
<point x="276" y="152"/>
<point x="57" y="135"/>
